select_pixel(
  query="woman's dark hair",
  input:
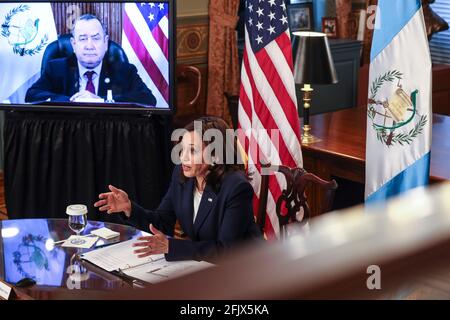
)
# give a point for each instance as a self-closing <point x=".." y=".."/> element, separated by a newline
<point x="219" y="168"/>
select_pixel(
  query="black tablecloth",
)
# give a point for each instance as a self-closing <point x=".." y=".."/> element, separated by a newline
<point x="56" y="159"/>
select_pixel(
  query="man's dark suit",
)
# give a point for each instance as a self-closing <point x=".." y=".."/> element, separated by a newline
<point x="224" y="218"/>
<point x="60" y="81"/>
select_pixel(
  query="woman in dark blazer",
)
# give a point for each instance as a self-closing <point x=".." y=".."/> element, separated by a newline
<point x="209" y="195"/>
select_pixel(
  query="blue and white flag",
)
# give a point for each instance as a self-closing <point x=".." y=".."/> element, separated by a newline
<point x="25" y="31"/>
<point x="399" y="119"/>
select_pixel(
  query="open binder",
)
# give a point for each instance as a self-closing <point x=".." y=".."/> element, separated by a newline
<point x="119" y="258"/>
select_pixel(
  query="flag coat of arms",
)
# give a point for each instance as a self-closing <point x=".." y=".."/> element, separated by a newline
<point x="26" y="30"/>
<point x="268" y="118"/>
<point x="145" y="40"/>
<point x="399" y="118"/>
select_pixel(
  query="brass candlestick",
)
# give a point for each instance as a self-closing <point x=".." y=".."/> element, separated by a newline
<point x="307" y="137"/>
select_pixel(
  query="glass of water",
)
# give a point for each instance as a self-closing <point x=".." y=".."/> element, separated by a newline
<point x="77" y="221"/>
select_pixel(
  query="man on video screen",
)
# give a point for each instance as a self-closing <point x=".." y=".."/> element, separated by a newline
<point x="86" y="75"/>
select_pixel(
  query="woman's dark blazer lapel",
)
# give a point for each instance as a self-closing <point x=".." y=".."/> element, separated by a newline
<point x="206" y="204"/>
<point x="187" y="207"/>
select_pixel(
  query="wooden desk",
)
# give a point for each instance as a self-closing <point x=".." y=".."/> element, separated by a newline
<point x="342" y="151"/>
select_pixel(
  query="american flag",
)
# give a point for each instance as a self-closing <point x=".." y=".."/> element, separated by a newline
<point x="268" y="103"/>
<point x="145" y="39"/>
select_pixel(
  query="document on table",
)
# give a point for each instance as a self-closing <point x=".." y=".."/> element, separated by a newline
<point x="152" y="269"/>
<point x="118" y="256"/>
<point x="161" y="270"/>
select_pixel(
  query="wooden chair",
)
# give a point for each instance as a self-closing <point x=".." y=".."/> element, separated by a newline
<point x="189" y="79"/>
<point x="293" y="198"/>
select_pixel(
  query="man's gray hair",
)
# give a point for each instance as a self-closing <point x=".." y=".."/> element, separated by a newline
<point x="89" y="16"/>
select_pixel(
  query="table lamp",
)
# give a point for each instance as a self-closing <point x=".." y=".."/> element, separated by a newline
<point x="313" y="65"/>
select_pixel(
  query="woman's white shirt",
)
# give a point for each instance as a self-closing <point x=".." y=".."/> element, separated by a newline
<point x="197" y="199"/>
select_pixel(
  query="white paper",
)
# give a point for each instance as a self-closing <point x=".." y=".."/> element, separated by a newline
<point x="179" y="268"/>
<point x="5" y="291"/>
<point x="162" y="270"/>
<point x="105" y="233"/>
<point x="89" y="100"/>
<point x="118" y="256"/>
<point x="87" y="242"/>
<point x="151" y="269"/>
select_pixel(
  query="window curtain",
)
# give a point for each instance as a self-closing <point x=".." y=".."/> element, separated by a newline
<point x="223" y="65"/>
<point x="344" y="13"/>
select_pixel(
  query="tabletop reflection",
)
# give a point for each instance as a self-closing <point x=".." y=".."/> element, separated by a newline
<point x="28" y="250"/>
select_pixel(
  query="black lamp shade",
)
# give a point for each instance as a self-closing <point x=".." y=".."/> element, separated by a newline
<point x="313" y="60"/>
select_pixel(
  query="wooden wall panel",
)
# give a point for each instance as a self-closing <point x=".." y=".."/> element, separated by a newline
<point x="441" y="89"/>
<point x="192" y="43"/>
<point x="109" y="13"/>
<point x="192" y="49"/>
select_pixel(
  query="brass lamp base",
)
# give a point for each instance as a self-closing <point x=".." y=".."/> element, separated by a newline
<point x="307" y="137"/>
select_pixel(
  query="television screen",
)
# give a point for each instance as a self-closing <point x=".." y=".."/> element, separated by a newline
<point x="87" y="55"/>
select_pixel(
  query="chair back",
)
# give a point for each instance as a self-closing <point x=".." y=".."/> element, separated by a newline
<point x="192" y="75"/>
<point x="292" y="205"/>
<point x="189" y="88"/>
<point x="62" y="48"/>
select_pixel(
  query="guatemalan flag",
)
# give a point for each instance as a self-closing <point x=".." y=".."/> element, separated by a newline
<point x="25" y="31"/>
<point x="399" y="108"/>
<point x="145" y="40"/>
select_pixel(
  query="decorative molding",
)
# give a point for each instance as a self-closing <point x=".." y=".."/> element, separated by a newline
<point x="192" y="49"/>
<point x="192" y="40"/>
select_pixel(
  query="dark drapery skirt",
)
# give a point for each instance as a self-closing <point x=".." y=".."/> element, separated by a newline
<point x="56" y="159"/>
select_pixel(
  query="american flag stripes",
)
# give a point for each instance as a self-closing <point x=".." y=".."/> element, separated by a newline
<point x="145" y="39"/>
<point x="268" y="104"/>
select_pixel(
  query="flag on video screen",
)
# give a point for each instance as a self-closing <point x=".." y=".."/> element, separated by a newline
<point x="267" y="101"/>
<point x="145" y="39"/>
<point x="25" y="31"/>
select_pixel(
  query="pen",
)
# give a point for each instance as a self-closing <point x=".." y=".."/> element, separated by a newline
<point x="156" y="274"/>
<point x="105" y="245"/>
<point x="154" y="270"/>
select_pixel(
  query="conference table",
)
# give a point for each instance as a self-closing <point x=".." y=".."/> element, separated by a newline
<point x="28" y="250"/>
<point x="341" y="152"/>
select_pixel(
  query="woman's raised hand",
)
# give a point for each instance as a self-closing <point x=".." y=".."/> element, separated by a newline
<point x="115" y="201"/>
